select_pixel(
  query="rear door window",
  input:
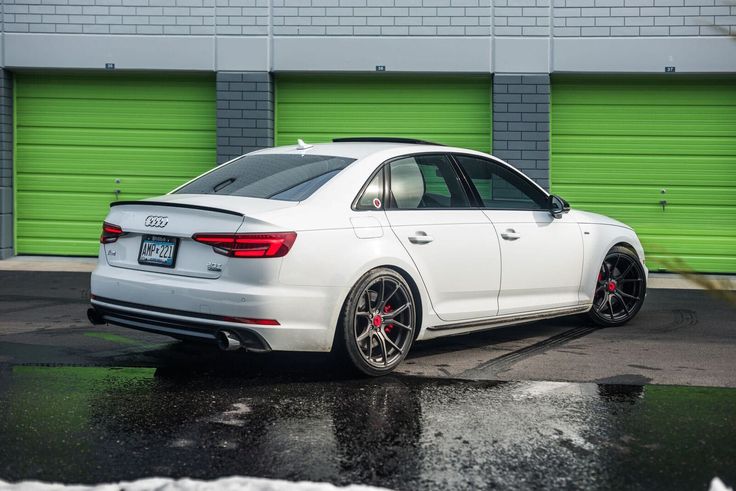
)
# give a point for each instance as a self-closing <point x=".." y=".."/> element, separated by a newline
<point x="269" y="176"/>
<point x="425" y="181"/>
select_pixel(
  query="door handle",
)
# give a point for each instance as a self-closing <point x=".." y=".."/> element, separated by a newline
<point x="420" y="238"/>
<point x="510" y="234"/>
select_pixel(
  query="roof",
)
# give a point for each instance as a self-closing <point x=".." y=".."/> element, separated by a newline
<point x="355" y="150"/>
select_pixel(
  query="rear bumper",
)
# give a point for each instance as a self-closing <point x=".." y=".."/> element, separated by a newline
<point x="194" y="308"/>
<point x="179" y="325"/>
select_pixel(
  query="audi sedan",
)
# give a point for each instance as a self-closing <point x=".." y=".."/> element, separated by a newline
<point x="362" y="247"/>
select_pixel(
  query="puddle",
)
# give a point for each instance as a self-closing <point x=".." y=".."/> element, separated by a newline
<point x="90" y="425"/>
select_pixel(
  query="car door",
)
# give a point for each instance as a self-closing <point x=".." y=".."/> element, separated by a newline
<point x="453" y="245"/>
<point x="541" y="256"/>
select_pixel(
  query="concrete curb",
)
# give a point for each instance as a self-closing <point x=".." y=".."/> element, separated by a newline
<point x="674" y="281"/>
<point x="49" y="263"/>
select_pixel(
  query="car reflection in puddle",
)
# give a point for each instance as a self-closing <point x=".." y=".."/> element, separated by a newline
<point x="91" y="425"/>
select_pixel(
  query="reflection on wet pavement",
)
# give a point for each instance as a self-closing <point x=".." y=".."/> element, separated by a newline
<point x="90" y="425"/>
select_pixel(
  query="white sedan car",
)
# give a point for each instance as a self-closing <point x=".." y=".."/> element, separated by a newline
<point x="361" y="246"/>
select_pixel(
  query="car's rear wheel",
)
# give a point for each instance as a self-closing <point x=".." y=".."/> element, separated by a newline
<point x="378" y="322"/>
<point x="620" y="289"/>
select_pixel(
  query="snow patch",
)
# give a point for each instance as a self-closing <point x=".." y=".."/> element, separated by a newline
<point x="717" y="485"/>
<point x="166" y="484"/>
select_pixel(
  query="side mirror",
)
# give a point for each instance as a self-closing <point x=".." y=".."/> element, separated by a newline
<point x="557" y="206"/>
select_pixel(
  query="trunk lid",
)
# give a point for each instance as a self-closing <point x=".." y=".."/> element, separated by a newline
<point x="160" y="230"/>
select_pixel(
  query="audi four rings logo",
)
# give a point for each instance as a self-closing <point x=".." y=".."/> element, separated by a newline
<point x="154" y="221"/>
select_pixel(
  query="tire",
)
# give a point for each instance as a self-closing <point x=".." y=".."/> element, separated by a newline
<point x="371" y="342"/>
<point x="620" y="289"/>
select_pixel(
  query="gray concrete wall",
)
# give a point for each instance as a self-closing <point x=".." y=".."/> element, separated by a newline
<point x="469" y="36"/>
<point x="521" y="17"/>
<point x="244" y="113"/>
<point x="6" y="164"/>
<point x="150" y="17"/>
<point x="382" y="17"/>
<point x="521" y="123"/>
<point x="625" y="18"/>
<point x="569" y="18"/>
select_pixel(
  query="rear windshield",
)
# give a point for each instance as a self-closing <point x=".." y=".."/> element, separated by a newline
<point x="269" y="176"/>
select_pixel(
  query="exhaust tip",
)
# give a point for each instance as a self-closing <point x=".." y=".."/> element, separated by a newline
<point x="228" y="341"/>
<point x="95" y="318"/>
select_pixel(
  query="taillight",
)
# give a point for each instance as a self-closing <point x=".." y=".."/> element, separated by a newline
<point x="249" y="245"/>
<point x="110" y="233"/>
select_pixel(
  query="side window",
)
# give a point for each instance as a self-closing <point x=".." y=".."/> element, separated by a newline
<point x="373" y="195"/>
<point x="501" y="188"/>
<point x="425" y="181"/>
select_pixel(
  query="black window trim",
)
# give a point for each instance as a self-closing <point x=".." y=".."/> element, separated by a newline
<point x="364" y="188"/>
<point x="471" y="192"/>
<point x="479" y="202"/>
<point x="387" y="183"/>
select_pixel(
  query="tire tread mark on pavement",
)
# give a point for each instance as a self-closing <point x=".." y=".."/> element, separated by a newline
<point x="505" y="361"/>
<point x="35" y="306"/>
<point x="34" y="298"/>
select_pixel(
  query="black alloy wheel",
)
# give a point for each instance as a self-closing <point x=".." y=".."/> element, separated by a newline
<point x="378" y="322"/>
<point x="620" y="288"/>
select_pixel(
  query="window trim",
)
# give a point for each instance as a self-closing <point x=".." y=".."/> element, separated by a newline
<point x="448" y="156"/>
<point x="510" y="168"/>
<point x="470" y="190"/>
<point x="364" y="188"/>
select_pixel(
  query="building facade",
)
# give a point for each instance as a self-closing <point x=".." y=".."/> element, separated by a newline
<point x="625" y="107"/>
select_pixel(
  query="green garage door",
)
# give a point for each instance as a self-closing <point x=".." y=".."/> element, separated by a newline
<point x="450" y="110"/>
<point x="656" y="153"/>
<point x="81" y="137"/>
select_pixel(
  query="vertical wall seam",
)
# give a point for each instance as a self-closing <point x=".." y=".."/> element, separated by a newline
<point x="493" y="36"/>
<point x="13" y="181"/>
<point x="269" y="47"/>
<point x="2" y="33"/>
<point x="550" y="49"/>
<point x="215" y="64"/>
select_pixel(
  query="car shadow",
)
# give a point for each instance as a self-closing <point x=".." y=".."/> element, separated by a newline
<point x="119" y="347"/>
<point x="500" y="338"/>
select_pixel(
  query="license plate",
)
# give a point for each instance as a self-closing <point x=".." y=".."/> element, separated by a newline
<point x="158" y="250"/>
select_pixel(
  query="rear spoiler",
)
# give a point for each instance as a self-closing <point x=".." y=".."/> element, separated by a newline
<point x="176" y="205"/>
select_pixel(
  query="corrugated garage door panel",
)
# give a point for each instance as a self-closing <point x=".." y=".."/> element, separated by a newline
<point x="617" y="143"/>
<point x="76" y="134"/>
<point x="445" y="109"/>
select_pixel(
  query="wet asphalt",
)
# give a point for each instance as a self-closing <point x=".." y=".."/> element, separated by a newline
<point x="94" y="425"/>
<point x="83" y="404"/>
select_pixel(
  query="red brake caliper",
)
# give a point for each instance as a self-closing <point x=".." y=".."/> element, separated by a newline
<point x="386" y="310"/>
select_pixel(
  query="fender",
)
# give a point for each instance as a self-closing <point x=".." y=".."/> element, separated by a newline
<point x="598" y="239"/>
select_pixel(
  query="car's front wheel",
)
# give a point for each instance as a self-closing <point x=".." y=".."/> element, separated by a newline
<point x="620" y="289"/>
<point x="378" y="322"/>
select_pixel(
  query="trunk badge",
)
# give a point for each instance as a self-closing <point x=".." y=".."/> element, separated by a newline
<point x="156" y="221"/>
<point x="217" y="267"/>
